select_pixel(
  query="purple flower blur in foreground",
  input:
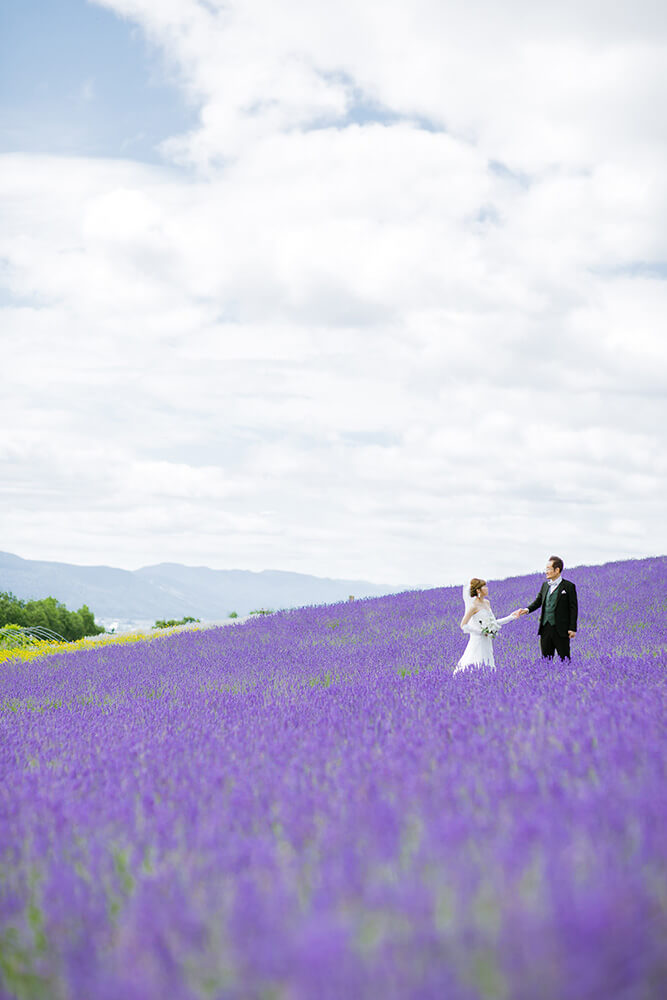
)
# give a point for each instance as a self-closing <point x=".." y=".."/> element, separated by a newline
<point x="311" y="806"/>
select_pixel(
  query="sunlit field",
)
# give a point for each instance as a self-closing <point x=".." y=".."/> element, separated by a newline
<point x="310" y="805"/>
<point x="37" y="649"/>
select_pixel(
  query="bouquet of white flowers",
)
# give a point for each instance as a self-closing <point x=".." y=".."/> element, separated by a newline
<point x="491" y="628"/>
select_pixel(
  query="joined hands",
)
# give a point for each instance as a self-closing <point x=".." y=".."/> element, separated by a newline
<point x="524" y="611"/>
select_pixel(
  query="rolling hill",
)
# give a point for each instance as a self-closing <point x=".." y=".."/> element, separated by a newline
<point x="171" y="590"/>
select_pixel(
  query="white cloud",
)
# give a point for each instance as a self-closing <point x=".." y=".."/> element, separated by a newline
<point x="377" y="348"/>
<point x="529" y="83"/>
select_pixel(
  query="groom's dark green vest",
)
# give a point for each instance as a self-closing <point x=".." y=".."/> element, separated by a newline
<point x="550" y="606"/>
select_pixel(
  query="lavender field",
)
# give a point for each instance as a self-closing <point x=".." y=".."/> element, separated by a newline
<point x="310" y="805"/>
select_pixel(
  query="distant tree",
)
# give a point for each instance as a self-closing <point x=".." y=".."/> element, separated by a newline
<point x="36" y="614"/>
<point x="88" y="621"/>
<point x="233" y="614"/>
<point x="12" y="610"/>
<point x="48" y="613"/>
<point x="161" y="623"/>
<point x="57" y="615"/>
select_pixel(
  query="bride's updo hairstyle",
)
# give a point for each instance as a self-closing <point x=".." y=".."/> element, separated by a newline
<point x="476" y="585"/>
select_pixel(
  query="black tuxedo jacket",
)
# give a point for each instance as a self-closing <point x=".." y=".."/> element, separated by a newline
<point x="566" y="607"/>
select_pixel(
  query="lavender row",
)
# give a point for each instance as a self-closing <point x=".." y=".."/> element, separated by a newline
<point x="311" y="805"/>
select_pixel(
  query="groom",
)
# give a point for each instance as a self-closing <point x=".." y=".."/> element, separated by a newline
<point x="558" y="619"/>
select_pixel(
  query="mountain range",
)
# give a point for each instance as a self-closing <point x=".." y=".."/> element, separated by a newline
<point x="171" y="590"/>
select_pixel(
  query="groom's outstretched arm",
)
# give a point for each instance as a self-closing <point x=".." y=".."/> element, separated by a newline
<point x="537" y="603"/>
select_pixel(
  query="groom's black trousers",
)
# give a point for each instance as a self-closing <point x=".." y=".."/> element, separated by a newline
<point x="551" y="642"/>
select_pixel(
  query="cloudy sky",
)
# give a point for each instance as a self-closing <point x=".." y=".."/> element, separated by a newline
<point x="366" y="289"/>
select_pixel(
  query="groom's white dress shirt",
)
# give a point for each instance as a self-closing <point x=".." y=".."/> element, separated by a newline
<point x="553" y="584"/>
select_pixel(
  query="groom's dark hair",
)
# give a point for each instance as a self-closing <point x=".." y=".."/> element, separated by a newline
<point x="557" y="563"/>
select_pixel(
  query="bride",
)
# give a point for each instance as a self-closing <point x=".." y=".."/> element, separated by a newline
<point x="481" y="625"/>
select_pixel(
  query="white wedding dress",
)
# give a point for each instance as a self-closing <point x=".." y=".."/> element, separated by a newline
<point x="479" y="651"/>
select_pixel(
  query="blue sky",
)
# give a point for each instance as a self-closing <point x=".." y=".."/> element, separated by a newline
<point x="357" y="290"/>
<point x="77" y="79"/>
